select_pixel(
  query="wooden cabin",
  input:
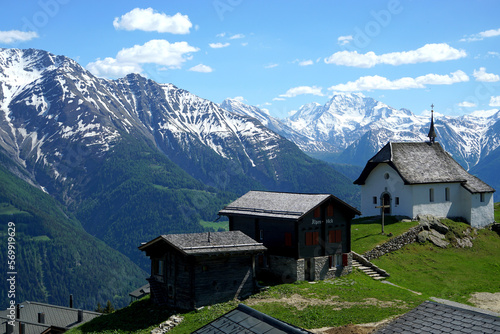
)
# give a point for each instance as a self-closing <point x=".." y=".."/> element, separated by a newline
<point x="198" y="269"/>
<point x="307" y="236"/>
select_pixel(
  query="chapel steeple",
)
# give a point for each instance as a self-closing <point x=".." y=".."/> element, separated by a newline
<point x="432" y="132"/>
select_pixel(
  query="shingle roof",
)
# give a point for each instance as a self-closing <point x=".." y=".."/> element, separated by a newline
<point x="246" y="320"/>
<point x="58" y="316"/>
<point x="420" y="163"/>
<point x="141" y="292"/>
<point x="278" y="204"/>
<point x="209" y="243"/>
<point x="431" y="317"/>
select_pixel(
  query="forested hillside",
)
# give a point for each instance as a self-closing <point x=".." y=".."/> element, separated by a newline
<point x="55" y="257"/>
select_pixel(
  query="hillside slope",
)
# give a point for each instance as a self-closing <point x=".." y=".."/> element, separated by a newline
<point x="55" y="257"/>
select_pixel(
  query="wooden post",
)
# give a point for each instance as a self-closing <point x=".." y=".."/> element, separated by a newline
<point x="383" y="207"/>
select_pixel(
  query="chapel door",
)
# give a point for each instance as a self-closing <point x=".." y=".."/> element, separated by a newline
<point x="386" y="201"/>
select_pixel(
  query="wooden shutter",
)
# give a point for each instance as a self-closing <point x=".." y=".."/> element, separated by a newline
<point x="288" y="239"/>
<point x="338" y="237"/>
<point x="330" y="210"/>
<point x="317" y="212"/>
<point x="315" y="238"/>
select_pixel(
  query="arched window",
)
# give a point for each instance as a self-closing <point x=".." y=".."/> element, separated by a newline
<point x="431" y="195"/>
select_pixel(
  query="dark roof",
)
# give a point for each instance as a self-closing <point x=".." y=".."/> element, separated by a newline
<point x="431" y="317"/>
<point x="432" y="131"/>
<point x="420" y="163"/>
<point x="209" y="243"/>
<point x="279" y="204"/>
<point x="141" y="292"/>
<point x="245" y="319"/>
<point x="58" y="316"/>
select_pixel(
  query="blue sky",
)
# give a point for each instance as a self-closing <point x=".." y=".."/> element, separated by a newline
<point x="280" y="55"/>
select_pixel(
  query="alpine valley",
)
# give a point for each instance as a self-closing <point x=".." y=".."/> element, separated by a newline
<point x="90" y="168"/>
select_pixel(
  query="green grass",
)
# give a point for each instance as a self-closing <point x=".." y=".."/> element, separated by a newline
<point x="451" y="273"/>
<point x="215" y="225"/>
<point x="366" y="232"/>
<point x="355" y="298"/>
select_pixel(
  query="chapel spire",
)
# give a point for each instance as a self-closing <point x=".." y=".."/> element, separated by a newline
<point x="432" y="132"/>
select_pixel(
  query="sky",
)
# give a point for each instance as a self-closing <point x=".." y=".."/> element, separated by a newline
<point x="280" y="55"/>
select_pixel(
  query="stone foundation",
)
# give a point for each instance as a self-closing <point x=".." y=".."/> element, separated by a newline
<point x="288" y="270"/>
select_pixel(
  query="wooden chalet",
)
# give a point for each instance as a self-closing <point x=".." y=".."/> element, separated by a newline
<point x="307" y="236"/>
<point x="198" y="269"/>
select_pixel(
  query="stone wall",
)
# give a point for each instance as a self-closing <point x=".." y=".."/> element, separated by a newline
<point x="394" y="244"/>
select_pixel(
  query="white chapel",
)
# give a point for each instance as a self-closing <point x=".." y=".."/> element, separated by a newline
<point x="411" y="179"/>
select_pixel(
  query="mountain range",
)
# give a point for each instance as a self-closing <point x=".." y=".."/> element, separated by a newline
<point x="129" y="159"/>
<point x="350" y="128"/>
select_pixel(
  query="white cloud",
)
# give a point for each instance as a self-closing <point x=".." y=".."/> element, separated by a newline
<point x="237" y="36"/>
<point x="466" y="104"/>
<point x="271" y="66"/>
<point x="482" y="35"/>
<point x="343" y="40"/>
<point x="278" y="99"/>
<point x="218" y="45"/>
<point x="481" y="75"/>
<point x="201" y="68"/>
<point x="427" y="53"/>
<point x="222" y="34"/>
<point x="156" y="51"/>
<point x="150" y="20"/>
<point x="301" y="90"/>
<point x="244" y="44"/>
<point x="12" y="36"/>
<point x="239" y="98"/>
<point x="111" y="68"/>
<point x="306" y="62"/>
<point x="495" y="101"/>
<point x="377" y="82"/>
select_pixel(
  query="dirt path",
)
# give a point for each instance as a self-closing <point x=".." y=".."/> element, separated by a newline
<point x="301" y="302"/>
<point x="486" y="300"/>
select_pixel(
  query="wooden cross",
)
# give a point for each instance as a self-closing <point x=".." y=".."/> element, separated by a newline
<point x="383" y="207"/>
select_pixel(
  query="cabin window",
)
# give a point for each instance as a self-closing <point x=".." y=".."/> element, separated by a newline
<point x="447" y="194"/>
<point x="158" y="267"/>
<point x="312" y="238"/>
<point x="397" y="200"/>
<point x="334" y="236"/>
<point x="288" y="239"/>
<point x="329" y="212"/>
<point x="374" y="199"/>
<point x="317" y="212"/>
<point x="431" y="195"/>
<point x="386" y="176"/>
<point x="261" y="235"/>
<point x="481" y="197"/>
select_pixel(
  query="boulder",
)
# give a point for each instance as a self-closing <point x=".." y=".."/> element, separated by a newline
<point x="429" y="222"/>
<point x="464" y="243"/>
<point x="423" y="236"/>
<point x="433" y="236"/>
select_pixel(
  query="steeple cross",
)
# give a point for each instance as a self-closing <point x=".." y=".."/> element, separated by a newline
<point x="432" y="106"/>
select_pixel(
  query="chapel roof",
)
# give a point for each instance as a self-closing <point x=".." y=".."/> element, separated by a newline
<point x="279" y="204"/>
<point x="421" y="163"/>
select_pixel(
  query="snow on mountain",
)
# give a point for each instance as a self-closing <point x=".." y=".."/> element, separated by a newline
<point x="347" y="121"/>
<point x="305" y="142"/>
<point x="54" y="115"/>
